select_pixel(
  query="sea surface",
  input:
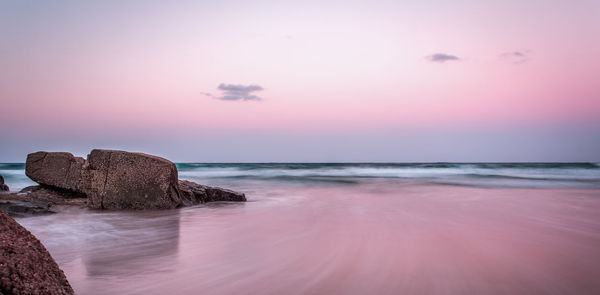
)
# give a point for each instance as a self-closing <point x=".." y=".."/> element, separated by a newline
<point x="352" y="228"/>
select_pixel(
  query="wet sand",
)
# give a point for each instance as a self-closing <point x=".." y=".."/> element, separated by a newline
<point x="376" y="237"/>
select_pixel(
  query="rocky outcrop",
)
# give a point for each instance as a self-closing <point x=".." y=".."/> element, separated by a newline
<point x="193" y="194"/>
<point x="113" y="179"/>
<point x="26" y="266"/>
<point x="21" y="208"/>
<point x="36" y="200"/>
<point x="56" y="169"/>
<point x="3" y="187"/>
<point x="123" y="180"/>
<point x="217" y="194"/>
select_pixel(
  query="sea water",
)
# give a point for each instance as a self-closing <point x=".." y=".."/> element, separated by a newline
<point x="361" y="228"/>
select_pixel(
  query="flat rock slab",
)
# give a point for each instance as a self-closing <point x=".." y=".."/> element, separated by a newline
<point x="124" y="180"/>
<point x="193" y="194"/>
<point x="217" y="194"/>
<point x="26" y="265"/>
<point x="19" y="208"/>
<point x="37" y="200"/>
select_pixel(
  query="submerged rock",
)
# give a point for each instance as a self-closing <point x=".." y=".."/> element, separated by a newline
<point x="36" y="200"/>
<point x="26" y="265"/>
<point x="52" y="195"/>
<point x="56" y="169"/>
<point x="193" y="194"/>
<point x="217" y="194"/>
<point x="124" y="180"/>
<point x="21" y="208"/>
<point x="3" y="187"/>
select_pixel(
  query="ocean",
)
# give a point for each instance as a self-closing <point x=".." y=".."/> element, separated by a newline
<point x="344" y="228"/>
<point x="525" y="175"/>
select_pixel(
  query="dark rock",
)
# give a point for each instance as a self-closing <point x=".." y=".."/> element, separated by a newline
<point x="193" y="194"/>
<point x="56" y="169"/>
<point x="36" y="200"/>
<point x="18" y="208"/>
<point x="124" y="180"/>
<point x="217" y="194"/>
<point x="3" y="187"/>
<point x="26" y="265"/>
<point x="52" y="195"/>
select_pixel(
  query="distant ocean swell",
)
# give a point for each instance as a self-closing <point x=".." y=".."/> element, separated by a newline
<point x="462" y="174"/>
<point x="542" y="175"/>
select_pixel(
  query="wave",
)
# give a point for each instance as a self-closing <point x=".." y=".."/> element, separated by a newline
<point x="463" y="174"/>
<point x="530" y="171"/>
<point x="300" y="166"/>
<point x="12" y="166"/>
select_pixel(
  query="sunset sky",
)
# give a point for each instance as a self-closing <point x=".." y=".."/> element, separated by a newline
<point x="255" y="81"/>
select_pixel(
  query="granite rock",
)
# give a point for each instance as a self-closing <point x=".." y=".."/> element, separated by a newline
<point x="124" y="180"/>
<point x="193" y="194"/>
<point x="36" y="200"/>
<point x="26" y="265"/>
<point x="56" y="169"/>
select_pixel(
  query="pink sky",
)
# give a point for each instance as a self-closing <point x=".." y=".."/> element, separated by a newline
<point x="114" y="69"/>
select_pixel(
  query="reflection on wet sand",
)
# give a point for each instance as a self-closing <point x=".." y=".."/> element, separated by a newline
<point x="126" y="243"/>
<point x="97" y="249"/>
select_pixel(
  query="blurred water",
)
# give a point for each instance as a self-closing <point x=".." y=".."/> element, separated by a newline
<point x="14" y="176"/>
<point x="318" y="234"/>
<point x="548" y="175"/>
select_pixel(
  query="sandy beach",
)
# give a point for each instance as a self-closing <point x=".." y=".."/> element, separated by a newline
<point x="347" y="235"/>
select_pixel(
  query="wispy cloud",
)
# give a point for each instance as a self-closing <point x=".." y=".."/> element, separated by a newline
<point x="236" y="92"/>
<point x="442" y="57"/>
<point x="517" y="57"/>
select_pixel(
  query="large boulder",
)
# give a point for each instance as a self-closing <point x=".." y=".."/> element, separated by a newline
<point x="111" y="179"/>
<point x="193" y="194"/>
<point x="3" y="187"/>
<point x="26" y="266"/>
<point x="124" y="180"/>
<point x="56" y="169"/>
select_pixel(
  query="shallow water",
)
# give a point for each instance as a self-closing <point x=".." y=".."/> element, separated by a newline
<point x="342" y="235"/>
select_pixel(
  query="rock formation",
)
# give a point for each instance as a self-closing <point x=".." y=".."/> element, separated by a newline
<point x="110" y="179"/>
<point x="26" y="267"/>
<point x="36" y="200"/>
<point x="3" y="187"/>
<point x="123" y="180"/>
<point x="60" y="170"/>
<point x="193" y="194"/>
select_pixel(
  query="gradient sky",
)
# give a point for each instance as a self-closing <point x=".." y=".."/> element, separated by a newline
<point x="254" y="81"/>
